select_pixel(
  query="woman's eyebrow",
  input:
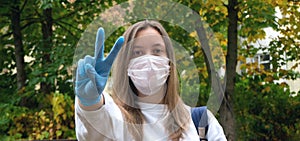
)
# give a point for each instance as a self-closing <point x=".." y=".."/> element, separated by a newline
<point x="157" y="45"/>
<point x="137" y="46"/>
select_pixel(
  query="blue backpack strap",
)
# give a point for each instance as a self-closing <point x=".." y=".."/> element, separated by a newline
<point x="200" y="119"/>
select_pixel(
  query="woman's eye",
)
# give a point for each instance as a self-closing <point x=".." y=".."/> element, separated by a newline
<point x="157" y="51"/>
<point x="137" y="53"/>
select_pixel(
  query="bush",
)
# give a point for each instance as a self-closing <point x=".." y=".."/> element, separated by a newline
<point x="266" y="111"/>
<point x="56" y="122"/>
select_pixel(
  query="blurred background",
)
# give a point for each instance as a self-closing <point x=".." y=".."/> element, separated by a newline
<point x="259" y="39"/>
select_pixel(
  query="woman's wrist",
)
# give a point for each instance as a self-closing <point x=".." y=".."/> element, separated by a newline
<point x="92" y="107"/>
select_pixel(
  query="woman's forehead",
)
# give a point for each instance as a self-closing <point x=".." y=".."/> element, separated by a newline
<point x="148" y="39"/>
<point x="147" y="31"/>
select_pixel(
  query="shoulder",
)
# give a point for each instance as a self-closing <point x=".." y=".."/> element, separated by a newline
<point x="215" y="130"/>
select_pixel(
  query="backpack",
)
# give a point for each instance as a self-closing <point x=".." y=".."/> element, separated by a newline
<point x="200" y="114"/>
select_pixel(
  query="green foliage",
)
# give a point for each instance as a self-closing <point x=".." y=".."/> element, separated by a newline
<point x="266" y="111"/>
<point x="54" y="123"/>
<point x="30" y="114"/>
<point x="254" y="18"/>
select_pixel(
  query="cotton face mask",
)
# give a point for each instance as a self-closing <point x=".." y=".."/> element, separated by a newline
<point x="149" y="73"/>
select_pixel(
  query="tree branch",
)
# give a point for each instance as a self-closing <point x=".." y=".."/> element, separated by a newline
<point x="26" y="25"/>
<point x="72" y="13"/>
<point x="67" y="30"/>
<point x="225" y="5"/>
<point x="23" y="6"/>
<point x="71" y="26"/>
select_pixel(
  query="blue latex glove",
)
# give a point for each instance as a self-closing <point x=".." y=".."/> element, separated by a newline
<point x="92" y="72"/>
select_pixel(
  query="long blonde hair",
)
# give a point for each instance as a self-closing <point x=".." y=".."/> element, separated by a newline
<point x="123" y="88"/>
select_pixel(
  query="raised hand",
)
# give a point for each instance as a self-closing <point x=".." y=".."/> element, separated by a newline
<point x="92" y="72"/>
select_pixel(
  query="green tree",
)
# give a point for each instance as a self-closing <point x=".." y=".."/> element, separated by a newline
<point x="252" y="17"/>
<point x="267" y="105"/>
<point x="48" y="32"/>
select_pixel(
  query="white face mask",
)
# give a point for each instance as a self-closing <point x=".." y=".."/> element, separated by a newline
<point x="149" y="73"/>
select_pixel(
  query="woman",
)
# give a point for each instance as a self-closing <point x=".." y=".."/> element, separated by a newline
<point x="144" y="103"/>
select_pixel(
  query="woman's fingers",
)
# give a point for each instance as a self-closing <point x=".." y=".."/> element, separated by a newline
<point x="114" y="51"/>
<point x="99" y="44"/>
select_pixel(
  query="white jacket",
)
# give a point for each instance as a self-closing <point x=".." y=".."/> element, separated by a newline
<point x="107" y="124"/>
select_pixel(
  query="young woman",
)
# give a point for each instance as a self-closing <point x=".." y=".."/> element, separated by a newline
<point x="144" y="103"/>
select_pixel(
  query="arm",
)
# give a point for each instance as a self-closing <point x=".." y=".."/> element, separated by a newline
<point x="91" y="115"/>
<point x="102" y="124"/>
<point x="92" y="74"/>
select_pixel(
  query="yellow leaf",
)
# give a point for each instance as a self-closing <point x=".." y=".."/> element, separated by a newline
<point x="269" y="79"/>
<point x="267" y="89"/>
<point x="193" y="34"/>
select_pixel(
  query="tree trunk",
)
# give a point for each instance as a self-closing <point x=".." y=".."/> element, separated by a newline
<point x="47" y="32"/>
<point x="226" y="111"/>
<point x="19" y="51"/>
